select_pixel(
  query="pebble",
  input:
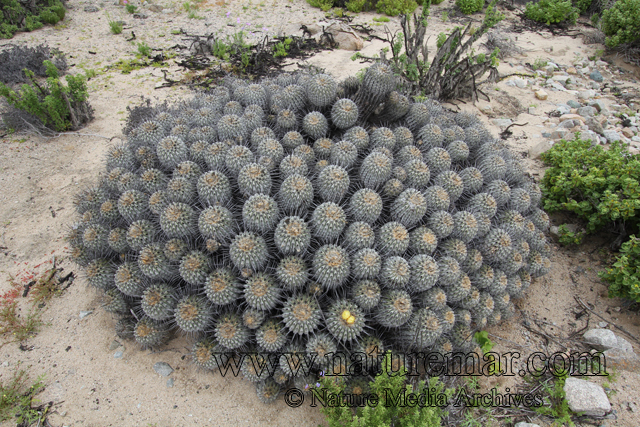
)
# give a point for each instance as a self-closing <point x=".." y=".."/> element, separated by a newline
<point x="600" y="339"/>
<point x="532" y="111"/>
<point x="586" y="94"/>
<point x="541" y="94"/>
<point x="91" y="9"/>
<point x="523" y="424"/>
<point x="114" y="344"/>
<point x="118" y="354"/>
<point x="541" y="147"/>
<point x="573" y="104"/>
<point x="84" y="314"/>
<point x="572" y="70"/>
<point x="163" y="368"/>
<point x="587" y="111"/>
<point x="595" y="126"/>
<point x="627" y="132"/>
<point x="587" y="397"/>
<point x="596" y="76"/>
<point x="170" y="383"/>
<point x="563" y="109"/>
<point x="611" y="135"/>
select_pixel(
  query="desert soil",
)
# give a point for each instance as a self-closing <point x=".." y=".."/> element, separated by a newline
<point x="88" y="384"/>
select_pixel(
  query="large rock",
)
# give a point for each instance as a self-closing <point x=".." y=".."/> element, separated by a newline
<point x="611" y="135"/>
<point x="344" y="36"/>
<point x="595" y="126"/>
<point x="601" y="339"/>
<point x="586" y="397"/>
<point x="538" y="149"/>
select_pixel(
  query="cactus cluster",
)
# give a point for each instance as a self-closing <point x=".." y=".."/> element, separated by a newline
<point x="282" y="216"/>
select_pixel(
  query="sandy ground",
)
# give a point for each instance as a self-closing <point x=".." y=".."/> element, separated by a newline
<point x="91" y="387"/>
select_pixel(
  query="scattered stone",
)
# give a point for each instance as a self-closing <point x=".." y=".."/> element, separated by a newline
<point x="588" y="135"/>
<point x="554" y="230"/>
<point x="587" y="397"/>
<point x="167" y="11"/>
<point x="601" y="339"/>
<point x="569" y="124"/>
<point x="559" y="133"/>
<point x="571" y="117"/>
<point x="586" y="94"/>
<point x="558" y="86"/>
<point x="611" y="135"/>
<point x="91" y="8"/>
<point x="139" y="16"/>
<point x="502" y="122"/>
<point x="541" y="94"/>
<point x="118" y="354"/>
<point x="163" y="368"/>
<point x="635" y="138"/>
<point x="314" y="29"/>
<point x="523" y="424"/>
<point x="114" y="344"/>
<point x="598" y="104"/>
<point x="631" y="406"/>
<point x="344" y="35"/>
<point x="572" y="70"/>
<point x="538" y="149"/>
<point x="593" y="85"/>
<point x="546" y="134"/>
<point x="170" y="383"/>
<point x="563" y="109"/>
<point x="155" y="8"/>
<point x="486" y="109"/>
<point x="627" y="132"/>
<point x="560" y="79"/>
<point x="573" y="104"/>
<point x="84" y="314"/>
<point x="587" y="111"/>
<point x="595" y="126"/>
<point x="532" y="111"/>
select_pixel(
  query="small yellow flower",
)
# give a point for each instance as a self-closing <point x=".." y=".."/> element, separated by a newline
<point x="350" y="320"/>
<point x="345" y="315"/>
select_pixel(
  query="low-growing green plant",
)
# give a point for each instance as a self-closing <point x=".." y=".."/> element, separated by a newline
<point x="557" y="406"/>
<point x="381" y="19"/>
<point x="600" y="186"/>
<point x="282" y="48"/>
<point x="623" y="276"/>
<point x="469" y="6"/>
<point x="114" y="26"/>
<point x="131" y="8"/>
<point x="551" y="11"/>
<point x="17" y="395"/>
<point x="539" y="63"/>
<point x="18" y="16"/>
<point x="391" y="388"/>
<point x="396" y="7"/>
<point x="445" y="16"/>
<point x="324" y="5"/>
<point x="57" y="106"/>
<point x="621" y="23"/>
<point x="356" y="6"/>
<point x="144" y="49"/>
<point x="567" y="237"/>
<point x="582" y="5"/>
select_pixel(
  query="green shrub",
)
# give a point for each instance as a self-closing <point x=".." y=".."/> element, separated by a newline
<point x="356" y="6"/>
<point x="115" y="26"/>
<point x="144" y="49"/>
<point x="600" y="186"/>
<point x="621" y="23"/>
<point x="322" y="4"/>
<point x="131" y="8"/>
<point x="624" y="275"/>
<point x="396" y="7"/>
<point x="470" y="6"/>
<point x="552" y="11"/>
<point x="16" y="16"/>
<point x="389" y="384"/>
<point x="582" y="5"/>
<point x="57" y="106"/>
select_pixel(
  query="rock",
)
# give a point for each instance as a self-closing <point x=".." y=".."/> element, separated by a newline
<point x="541" y="147"/>
<point x="523" y="424"/>
<point x="541" y="94"/>
<point x="84" y="314"/>
<point x="587" y="397"/>
<point x="486" y="109"/>
<point x="598" y="104"/>
<point x="557" y="86"/>
<point x="587" y="111"/>
<point x="595" y="126"/>
<point x="611" y="135"/>
<point x="627" y="132"/>
<point x="155" y="8"/>
<point x="559" y="134"/>
<point x="561" y="79"/>
<point x="91" y="9"/>
<point x="569" y="124"/>
<point x="163" y="369"/>
<point x="593" y="85"/>
<point x="571" y="70"/>
<point x="596" y="76"/>
<point x="635" y="138"/>
<point x="521" y="83"/>
<point x="571" y="117"/>
<point x="586" y="94"/>
<point x="167" y="11"/>
<point x="573" y="104"/>
<point x="589" y="135"/>
<point x="139" y="16"/>
<point x="532" y="111"/>
<point x="502" y="122"/>
<point x="623" y="345"/>
<point x="170" y="383"/>
<point x="600" y="339"/>
<point x="314" y="29"/>
<point x="114" y="344"/>
<point x="118" y="354"/>
<point x="563" y="109"/>
<point x="346" y="38"/>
